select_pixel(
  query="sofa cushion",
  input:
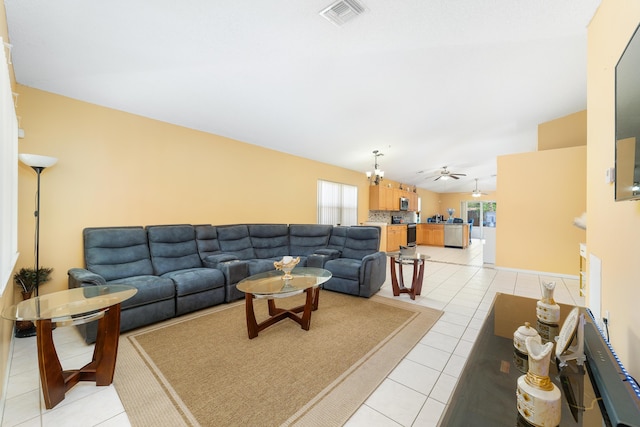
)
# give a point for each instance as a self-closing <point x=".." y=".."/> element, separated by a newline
<point x="117" y="252"/>
<point x="194" y="280"/>
<point x="269" y="240"/>
<point x="347" y="268"/>
<point x="235" y="240"/>
<point x="260" y="266"/>
<point x="305" y="239"/>
<point x="173" y="247"/>
<point x="150" y="289"/>
<point x="360" y="242"/>
<point x="338" y="237"/>
<point x="207" y="240"/>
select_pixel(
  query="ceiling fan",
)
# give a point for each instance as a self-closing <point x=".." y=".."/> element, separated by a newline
<point x="445" y="174"/>
<point x="476" y="192"/>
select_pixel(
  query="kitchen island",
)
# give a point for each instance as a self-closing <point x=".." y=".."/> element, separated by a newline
<point x="443" y="234"/>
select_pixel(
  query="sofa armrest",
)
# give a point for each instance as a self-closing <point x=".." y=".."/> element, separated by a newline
<point x="233" y="269"/>
<point x="319" y="258"/>
<point x="79" y="277"/>
<point x="212" y="261"/>
<point x="331" y="253"/>
<point x="373" y="273"/>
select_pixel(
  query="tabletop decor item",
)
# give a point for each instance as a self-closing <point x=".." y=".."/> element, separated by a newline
<point x="570" y="341"/>
<point x="520" y="354"/>
<point x="287" y="264"/>
<point x="547" y="310"/>
<point x="409" y="250"/>
<point x="538" y="399"/>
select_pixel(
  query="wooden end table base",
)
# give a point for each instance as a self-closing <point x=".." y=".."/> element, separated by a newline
<point x="416" y="280"/>
<point x="278" y="314"/>
<point x="55" y="381"/>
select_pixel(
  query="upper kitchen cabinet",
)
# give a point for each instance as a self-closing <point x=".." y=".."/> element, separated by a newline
<point x="380" y="198"/>
<point x="383" y="198"/>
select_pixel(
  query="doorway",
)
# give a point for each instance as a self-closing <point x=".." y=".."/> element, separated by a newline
<point x="480" y="214"/>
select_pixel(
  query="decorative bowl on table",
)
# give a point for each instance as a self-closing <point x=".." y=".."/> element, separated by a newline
<point x="287" y="264"/>
<point x="408" y="250"/>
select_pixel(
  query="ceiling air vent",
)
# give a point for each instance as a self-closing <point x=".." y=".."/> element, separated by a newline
<point x="343" y="11"/>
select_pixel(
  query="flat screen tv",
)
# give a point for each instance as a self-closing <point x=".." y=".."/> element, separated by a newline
<point x="627" y="167"/>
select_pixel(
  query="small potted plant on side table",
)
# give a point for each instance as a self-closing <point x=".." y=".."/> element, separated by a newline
<point x="28" y="279"/>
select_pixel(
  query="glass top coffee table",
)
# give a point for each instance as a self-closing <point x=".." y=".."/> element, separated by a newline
<point x="70" y="307"/>
<point x="271" y="285"/>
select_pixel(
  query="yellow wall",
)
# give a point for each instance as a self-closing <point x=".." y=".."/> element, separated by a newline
<point x="120" y="169"/>
<point x="6" y="299"/>
<point x="539" y="195"/>
<point x="568" y="131"/>
<point x="429" y="203"/>
<point x="613" y="228"/>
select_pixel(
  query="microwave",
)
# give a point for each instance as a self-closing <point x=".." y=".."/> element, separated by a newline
<point x="404" y="204"/>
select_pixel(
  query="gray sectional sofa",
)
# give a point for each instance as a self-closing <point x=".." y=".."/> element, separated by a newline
<point x="182" y="268"/>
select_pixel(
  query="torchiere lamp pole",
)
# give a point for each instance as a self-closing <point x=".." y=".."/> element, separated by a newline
<point x="38" y="163"/>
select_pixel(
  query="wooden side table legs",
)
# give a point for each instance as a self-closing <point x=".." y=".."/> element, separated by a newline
<point x="397" y="279"/>
<point x="55" y="381"/>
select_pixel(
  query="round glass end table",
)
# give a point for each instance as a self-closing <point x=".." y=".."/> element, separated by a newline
<point x="272" y="285"/>
<point x="397" y="279"/>
<point x="71" y="307"/>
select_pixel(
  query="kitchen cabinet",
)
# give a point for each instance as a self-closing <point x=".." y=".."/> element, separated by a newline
<point x="383" y="198"/>
<point x="413" y="201"/>
<point x="396" y="236"/>
<point x="430" y="234"/>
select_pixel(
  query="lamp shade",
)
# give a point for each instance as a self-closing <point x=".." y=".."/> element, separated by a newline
<point x="37" y="161"/>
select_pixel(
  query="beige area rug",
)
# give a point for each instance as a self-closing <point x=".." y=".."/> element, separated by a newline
<point x="202" y="370"/>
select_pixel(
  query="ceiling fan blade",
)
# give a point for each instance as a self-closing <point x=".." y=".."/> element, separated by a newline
<point x="459" y="174"/>
<point x="438" y="178"/>
<point x="454" y="176"/>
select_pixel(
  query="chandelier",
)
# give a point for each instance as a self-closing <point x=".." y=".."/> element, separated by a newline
<point x="377" y="175"/>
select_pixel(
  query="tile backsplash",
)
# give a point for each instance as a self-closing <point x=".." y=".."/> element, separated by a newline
<point x="385" y="216"/>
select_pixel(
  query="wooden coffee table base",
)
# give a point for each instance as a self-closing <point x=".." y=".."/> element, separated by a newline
<point x="55" y="381"/>
<point x="278" y="314"/>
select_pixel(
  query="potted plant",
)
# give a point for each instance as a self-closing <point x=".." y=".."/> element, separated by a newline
<point x="27" y="279"/>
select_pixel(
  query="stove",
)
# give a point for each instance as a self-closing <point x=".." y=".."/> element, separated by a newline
<point x="411" y="233"/>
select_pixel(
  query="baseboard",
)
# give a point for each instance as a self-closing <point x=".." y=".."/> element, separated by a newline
<point x="541" y="273"/>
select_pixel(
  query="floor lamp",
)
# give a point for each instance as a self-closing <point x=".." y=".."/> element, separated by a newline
<point x="38" y="163"/>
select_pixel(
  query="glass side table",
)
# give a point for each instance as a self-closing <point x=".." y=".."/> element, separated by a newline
<point x="272" y="285"/>
<point x="397" y="278"/>
<point x="71" y="307"/>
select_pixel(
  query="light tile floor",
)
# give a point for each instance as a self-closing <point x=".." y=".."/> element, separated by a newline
<point x="414" y="394"/>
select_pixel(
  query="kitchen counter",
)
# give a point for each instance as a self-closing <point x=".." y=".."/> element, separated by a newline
<point x="443" y="234"/>
<point x="392" y="236"/>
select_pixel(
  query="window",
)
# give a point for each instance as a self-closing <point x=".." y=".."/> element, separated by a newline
<point x="8" y="176"/>
<point x="337" y="203"/>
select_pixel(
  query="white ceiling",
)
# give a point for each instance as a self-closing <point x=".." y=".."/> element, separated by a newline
<point x="429" y="83"/>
